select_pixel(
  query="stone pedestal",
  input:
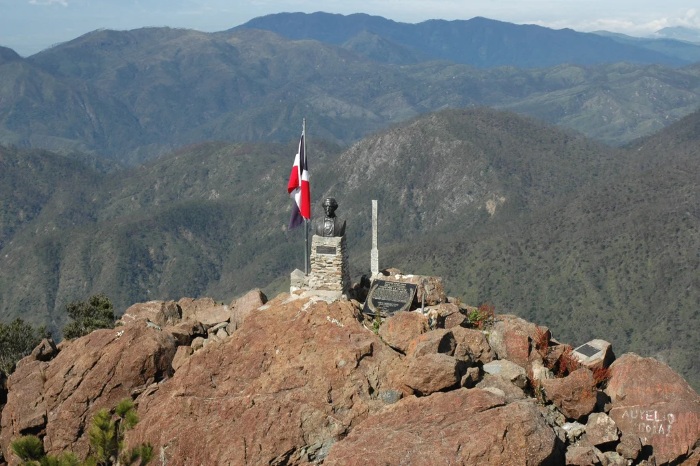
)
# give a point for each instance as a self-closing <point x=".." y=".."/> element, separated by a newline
<point x="329" y="265"/>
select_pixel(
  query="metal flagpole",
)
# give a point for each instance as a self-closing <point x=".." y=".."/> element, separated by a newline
<point x="306" y="221"/>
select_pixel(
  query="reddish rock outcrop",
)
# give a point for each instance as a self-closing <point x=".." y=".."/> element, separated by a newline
<point x="282" y="388"/>
<point x="469" y="427"/>
<point x="651" y="401"/>
<point x="161" y="313"/>
<point x="96" y="371"/>
<point x="301" y="377"/>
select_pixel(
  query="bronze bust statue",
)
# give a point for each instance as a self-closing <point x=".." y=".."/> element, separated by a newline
<point x="330" y="225"/>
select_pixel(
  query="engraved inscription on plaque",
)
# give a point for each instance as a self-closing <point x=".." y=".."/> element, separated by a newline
<point x="587" y="350"/>
<point x="325" y="250"/>
<point x="389" y="297"/>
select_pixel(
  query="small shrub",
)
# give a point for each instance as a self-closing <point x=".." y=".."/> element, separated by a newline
<point x="17" y="340"/>
<point x="601" y="375"/>
<point x="95" y="313"/>
<point x="28" y="448"/>
<point x="482" y="317"/>
<point x="542" y="342"/>
<point x="107" y="437"/>
<point x="567" y="362"/>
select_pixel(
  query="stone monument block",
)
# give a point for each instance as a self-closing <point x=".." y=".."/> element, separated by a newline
<point x="329" y="264"/>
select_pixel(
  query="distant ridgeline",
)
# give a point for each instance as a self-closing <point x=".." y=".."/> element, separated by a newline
<point x="120" y="94"/>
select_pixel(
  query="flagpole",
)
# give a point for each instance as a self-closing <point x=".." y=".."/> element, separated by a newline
<point x="306" y="221"/>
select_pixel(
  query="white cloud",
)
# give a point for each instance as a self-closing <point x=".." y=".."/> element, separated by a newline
<point x="634" y="25"/>
<point x="49" y="2"/>
<point x="691" y="19"/>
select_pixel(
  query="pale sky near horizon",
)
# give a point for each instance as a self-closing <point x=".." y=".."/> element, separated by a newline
<point x="29" y="26"/>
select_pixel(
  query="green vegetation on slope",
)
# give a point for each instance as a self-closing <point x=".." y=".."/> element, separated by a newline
<point x="593" y="242"/>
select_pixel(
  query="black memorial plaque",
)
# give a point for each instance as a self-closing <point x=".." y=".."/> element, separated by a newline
<point x="588" y="350"/>
<point x="325" y="250"/>
<point x="389" y="297"/>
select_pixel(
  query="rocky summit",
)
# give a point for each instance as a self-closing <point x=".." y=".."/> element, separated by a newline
<point x="301" y="380"/>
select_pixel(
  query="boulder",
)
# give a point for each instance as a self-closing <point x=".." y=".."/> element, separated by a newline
<point x="93" y="372"/>
<point x="242" y="307"/>
<point x="471" y="427"/>
<point x="161" y="313"/>
<point x="25" y="410"/>
<point x="538" y="372"/>
<point x="574" y="431"/>
<point x="446" y="315"/>
<point x="629" y="446"/>
<point x="431" y="373"/>
<point x="454" y="317"/>
<point x="511" y="338"/>
<point x="198" y="343"/>
<point x="472" y="346"/>
<point x="181" y="355"/>
<point x="186" y="331"/>
<point x="45" y="350"/>
<point x="507" y="370"/>
<point x="204" y="310"/>
<point x="600" y="429"/>
<point x="472" y="376"/>
<point x="583" y="455"/>
<point x="574" y="395"/>
<point x="612" y="458"/>
<point x="433" y="342"/>
<point x="398" y="330"/>
<point x="651" y="401"/>
<point x="510" y="391"/>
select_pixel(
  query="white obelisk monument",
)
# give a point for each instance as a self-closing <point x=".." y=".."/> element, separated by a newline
<point x="374" y="255"/>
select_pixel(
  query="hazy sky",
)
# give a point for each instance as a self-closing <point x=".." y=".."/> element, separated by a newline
<point x="28" y="26"/>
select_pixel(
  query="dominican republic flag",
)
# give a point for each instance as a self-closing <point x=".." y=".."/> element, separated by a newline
<point x="298" y="187"/>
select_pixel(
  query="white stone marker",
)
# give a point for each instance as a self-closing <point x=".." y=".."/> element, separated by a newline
<point x="374" y="255"/>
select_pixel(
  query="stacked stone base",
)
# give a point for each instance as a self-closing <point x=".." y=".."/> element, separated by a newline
<point x="329" y="264"/>
<point x="329" y="275"/>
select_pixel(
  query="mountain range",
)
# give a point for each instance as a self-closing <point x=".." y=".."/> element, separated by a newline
<point x="151" y="164"/>
<point x="479" y="42"/>
<point x="134" y="95"/>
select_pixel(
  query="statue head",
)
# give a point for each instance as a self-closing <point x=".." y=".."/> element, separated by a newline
<point x="329" y="206"/>
<point x="329" y="224"/>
